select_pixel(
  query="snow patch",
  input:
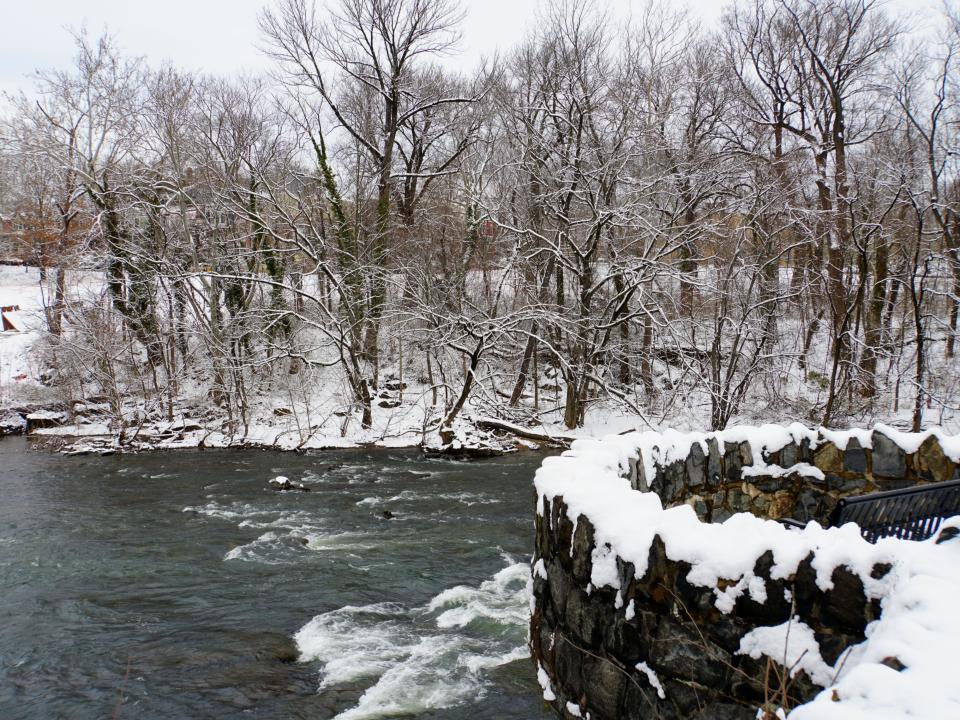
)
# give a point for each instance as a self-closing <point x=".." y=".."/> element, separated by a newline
<point x="652" y="679"/>
<point x="540" y="570"/>
<point x="792" y="645"/>
<point x="545" y="685"/>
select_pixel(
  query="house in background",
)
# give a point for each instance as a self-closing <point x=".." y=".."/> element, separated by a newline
<point x="10" y="317"/>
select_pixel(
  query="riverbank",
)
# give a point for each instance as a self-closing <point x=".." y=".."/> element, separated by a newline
<point x="55" y="392"/>
<point x="52" y="428"/>
<point x="308" y="410"/>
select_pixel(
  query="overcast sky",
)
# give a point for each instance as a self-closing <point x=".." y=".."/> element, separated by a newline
<point x="221" y="36"/>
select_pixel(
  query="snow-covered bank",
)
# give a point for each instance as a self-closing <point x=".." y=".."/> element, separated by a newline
<point x="287" y="413"/>
<point x="308" y="410"/>
<point x="874" y="626"/>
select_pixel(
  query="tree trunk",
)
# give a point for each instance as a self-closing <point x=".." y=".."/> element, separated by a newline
<point x="873" y="317"/>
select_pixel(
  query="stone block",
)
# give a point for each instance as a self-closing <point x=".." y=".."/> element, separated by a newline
<point x="725" y="631"/>
<point x="582" y="548"/>
<point x="845" y="606"/>
<point x="931" y="463"/>
<point x="557" y="516"/>
<point x="889" y="461"/>
<point x="811" y="504"/>
<point x="699" y="506"/>
<point x="747" y="682"/>
<point x="628" y="640"/>
<point x="545" y="644"/>
<point x="671" y="482"/>
<point x="767" y="483"/>
<point x="562" y="533"/>
<point x="846" y="485"/>
<point x="696" y="599"/>
<point x="738" y="500"/>
<point x="832" y="645"/>
<point x="560" y="586"/>
<point x="781" y="505"/>
<point x="640" y="702"/>
<point x="760" y="506"/>
<point x="776" y="608"/>
<point x="893" y="483"/>
<point x="732" y="463"/>
<point x="683" y="699"/>
<point x="607" y="685"/>
<point x="625" y="572"/>
<point x="714" y="462"/>
<point x="788" y="455"/>
<point x="696" y="466"/>
<point x="828" y="457"/>
<point x="854" y="457"/>
<point x="806" y="594"/>
<point x="569" y="669"/>
<point x="679" y="651"/>
<point x="650" y="589"/>
<point x="643" y="482"/>
<point x="726" y="711"/>
<point x="720" y="514"/>
<point x="583" y="620"/>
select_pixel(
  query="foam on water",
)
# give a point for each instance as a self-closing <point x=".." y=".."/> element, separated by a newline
<point x="469" y="498"/>
<point x="250" y="515"/>
<point x="422" y="658"/>
<point x="341" y="542"/>
<point x="477" y="663"/>
<point x="431" y="676"/>
<point x="466" y="498"/>
<point x="277" y="548"/>
<point x="252" y="551"/>
<point x="353" y="642"/>
<point x="502" y="599"/>
<point x="288" y="533"/>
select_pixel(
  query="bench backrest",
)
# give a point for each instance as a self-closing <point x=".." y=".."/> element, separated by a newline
<point x="913" y="513"/>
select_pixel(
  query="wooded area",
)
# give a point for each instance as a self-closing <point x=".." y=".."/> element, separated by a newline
<point x="670" y="221"/>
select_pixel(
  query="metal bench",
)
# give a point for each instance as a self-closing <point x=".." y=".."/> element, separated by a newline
<point x="913" y="513"/>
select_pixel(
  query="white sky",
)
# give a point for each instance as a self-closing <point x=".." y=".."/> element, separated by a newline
<point x="221" y="36"/>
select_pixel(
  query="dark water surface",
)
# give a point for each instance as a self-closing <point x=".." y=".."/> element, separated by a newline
<point x="179" y="581"/>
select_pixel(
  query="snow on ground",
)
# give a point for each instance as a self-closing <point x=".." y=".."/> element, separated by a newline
<point x="19" y="286"/>
<point x="313" y="403"/>
<point x="919" y="596"/>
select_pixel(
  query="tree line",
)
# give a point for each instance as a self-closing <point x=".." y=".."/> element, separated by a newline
<point x="758" y="218"/>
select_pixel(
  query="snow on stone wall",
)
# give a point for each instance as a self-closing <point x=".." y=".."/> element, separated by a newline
<point x="642" y="610"/>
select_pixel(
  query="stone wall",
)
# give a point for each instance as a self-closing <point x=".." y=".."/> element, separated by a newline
<point x="656" y="645"/>
<point x="801" y="480"/>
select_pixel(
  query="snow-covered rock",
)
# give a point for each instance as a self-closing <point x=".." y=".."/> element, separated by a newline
<point x="282" y="482"/>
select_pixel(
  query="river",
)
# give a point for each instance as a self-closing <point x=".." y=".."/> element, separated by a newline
<point x="178" y="585"/>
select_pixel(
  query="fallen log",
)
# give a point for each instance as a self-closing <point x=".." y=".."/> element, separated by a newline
<point x="520" y="431"/>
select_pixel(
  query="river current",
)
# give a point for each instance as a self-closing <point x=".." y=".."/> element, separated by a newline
<point x="179" y="585"/>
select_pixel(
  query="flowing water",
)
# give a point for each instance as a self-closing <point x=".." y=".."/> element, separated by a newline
<point x="178" y="585"/>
